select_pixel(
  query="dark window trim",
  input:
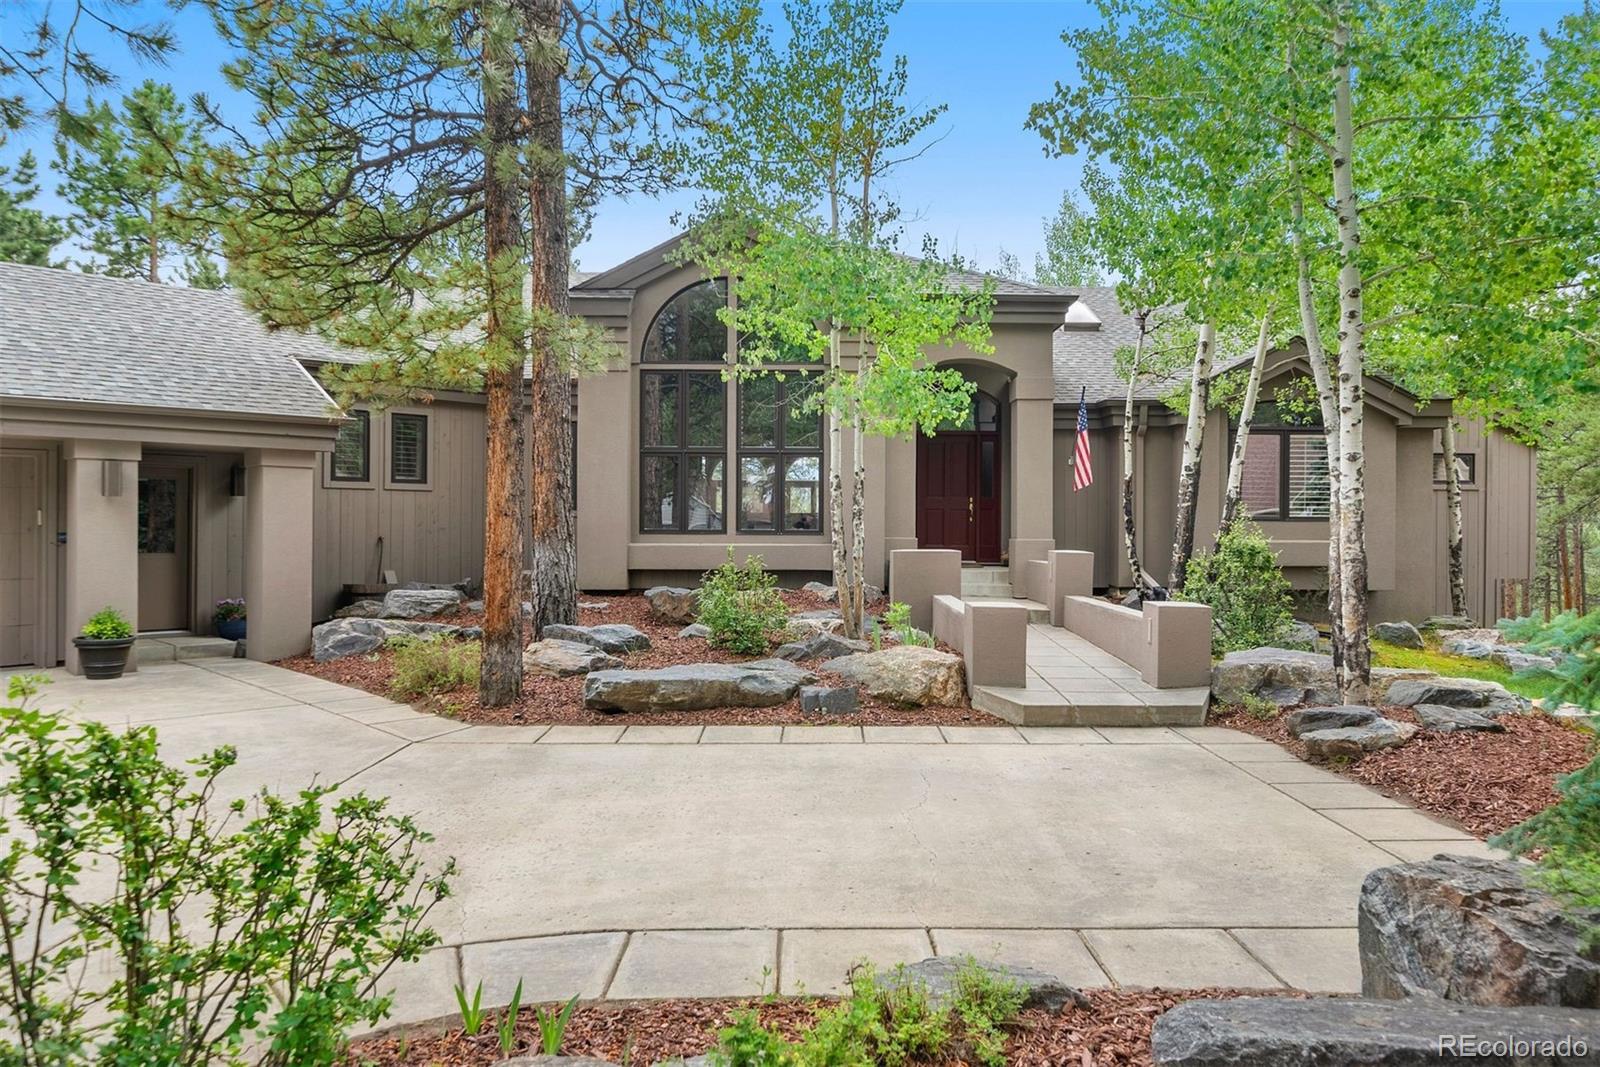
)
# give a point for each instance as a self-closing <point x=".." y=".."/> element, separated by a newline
<point x="365" y="420"/>
<point x="662" y="310"/>
<point x="422" y="449"/>
<point x="1471" y="478"/>
<point x="783" y="453"/>
<point x="682" y="451"/>
<point x="1284" y="433"/>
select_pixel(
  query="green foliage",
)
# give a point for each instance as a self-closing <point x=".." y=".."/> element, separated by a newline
<point x="552" y="1024"/>
<point x="741" y="605"/>
<point x="128" y="184"/>
<point x="1259" y="708"/>
<point x="433" y="664"/>
<point x="898" y="622"/>
<point x="230" y="931"/>
<point x="27" y="234"/>
<point x="889" y="1021"/>
<point x="1574" y="640"/>
<point x="230" y="608"/>
<point x="1069" y="257"/>
<point x="1451" y="666"/>
<point x="506" y="1030"/>
<point x="107" y="624"/>
<point x="1245" y="587"/>
<point x="1568" y="832"/>
<point x="472" y="1013"/>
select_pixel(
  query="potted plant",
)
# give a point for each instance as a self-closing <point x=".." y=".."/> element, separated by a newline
<point x="103" y="644"/>
<point x="229" y="618"/>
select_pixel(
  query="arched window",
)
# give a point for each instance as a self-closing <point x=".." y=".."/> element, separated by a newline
<point x="687" y="329"/>
<point x="983" y="414"/>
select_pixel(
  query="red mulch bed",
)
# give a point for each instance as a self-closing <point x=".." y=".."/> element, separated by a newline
<point x="1114" y="1031"/>
<point x="560" y="700"/>
<point x="1483" y="782"/>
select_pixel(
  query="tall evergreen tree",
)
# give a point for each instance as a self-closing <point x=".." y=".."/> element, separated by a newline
<point x="127" y="183"/>
<point x="27" y="234"/>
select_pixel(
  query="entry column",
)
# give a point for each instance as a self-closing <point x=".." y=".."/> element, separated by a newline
<point x="1033" y="476"/>
<point x="277" y="565"/>
<point x="102" y="557"/>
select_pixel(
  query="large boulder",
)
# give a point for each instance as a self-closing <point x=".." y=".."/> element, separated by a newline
<point x="805" y="624"/>
<point x="1299" y="635"/>
<point x="906" y="674"/>
<point x="674" y="604"/>
<point x="1337" y="1031"/>
<point x="820" y="646"/>
<point x="695" y="629"/>
<point x="613" y="637"/>
<point x="415" y="603"/>
<point x="353" y="637"/>
<point x="1448" y="622"/>
<point x="1473" y="930"/>
<point x="1353" y="742"/>
<point x="832" y="699"/>
<point x="1398" y="633"/>
<point x="1442" y="719"/>
<point x="783" y="668"/>
<point x="1309" y="720"/>
<point x="1281" y="675"/>
<point x="827" y="593"/>
<point x="365" y="608"/>
<point x="1515" y="659"/>
<point x="563" y="659"/>
<point x="1475" y="643"/>
<point x="1491" y="698"/>
<point x="690" y="687"/>
<point x="938" y="975"/>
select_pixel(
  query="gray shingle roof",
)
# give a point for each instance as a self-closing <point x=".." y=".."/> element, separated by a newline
<point x="85" y="338"/>
<point x="1084" y="354"/>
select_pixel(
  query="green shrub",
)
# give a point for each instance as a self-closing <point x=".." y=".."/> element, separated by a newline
<point x="741" y="606"/>
<point x="897" y="620"/>
<point x="228" y="932"/>
<point x="1569" y="833"/>
<point x="1244" y="587"/>
<point x="893" y="1023"/>
<point x="1575" y="641"/>
<point x="433" y="664"/>
<point x="107" y="624"/>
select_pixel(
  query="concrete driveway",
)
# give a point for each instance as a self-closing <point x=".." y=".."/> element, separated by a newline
<point x="666" y="861"/>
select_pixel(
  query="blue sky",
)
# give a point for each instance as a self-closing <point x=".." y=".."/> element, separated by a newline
<point x="985" y="185"/>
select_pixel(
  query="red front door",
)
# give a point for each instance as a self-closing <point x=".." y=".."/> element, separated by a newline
<point x="958" y="494"/>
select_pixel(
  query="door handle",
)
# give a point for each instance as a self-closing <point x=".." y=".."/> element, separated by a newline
<point x="969" y="508"/>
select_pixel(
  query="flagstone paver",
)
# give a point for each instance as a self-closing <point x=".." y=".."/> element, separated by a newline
<point x="1318" y="961"/>
<point x="819" y="961"/>
<point x="550" y="968"/>
<point x="1177" y="959"/>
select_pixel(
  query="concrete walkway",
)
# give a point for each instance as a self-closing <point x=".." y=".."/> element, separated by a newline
<point x="667" y="861"/>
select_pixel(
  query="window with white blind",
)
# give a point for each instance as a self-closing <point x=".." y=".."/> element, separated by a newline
<point x="1285" y="475"/>
<point x="408" y="449"/>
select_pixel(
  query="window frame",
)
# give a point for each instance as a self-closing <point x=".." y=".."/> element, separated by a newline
<point x="645" y="360"/>
<point x="331" y="479"/>
<point x="1468" y="482"/>
<point x="391" y="420"/>
<point x="682" y="451"/>
<point x="782" y="453"/>
<point x="1283" y="435"/>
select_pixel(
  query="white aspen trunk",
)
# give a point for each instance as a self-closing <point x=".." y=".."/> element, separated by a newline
<point x="1130" y="542"/>
<point x="1327" y="398"/>
<point x="841" y="562"/>
<point x="1247" y="412"/>
<point x="854" y="621"/>
<point x="1452" y="496"/>
<point x="1193" y="440"/>
<point x="1355" y="677"/>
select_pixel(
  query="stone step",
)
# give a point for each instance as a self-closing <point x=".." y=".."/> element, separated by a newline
<point x="1045" y="707"/>
<point x="1037" y="612"/>
<point x="168" y="648"/>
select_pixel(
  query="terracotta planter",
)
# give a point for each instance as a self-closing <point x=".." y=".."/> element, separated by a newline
<point x="106" y="658"/>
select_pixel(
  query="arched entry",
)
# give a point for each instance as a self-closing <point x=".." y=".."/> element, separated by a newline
<point x="959" y="478"/>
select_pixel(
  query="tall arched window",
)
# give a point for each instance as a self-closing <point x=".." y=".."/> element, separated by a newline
<point x="687" y="329"/>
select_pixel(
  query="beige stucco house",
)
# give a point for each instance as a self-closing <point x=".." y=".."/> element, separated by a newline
<point x="160" y="450"/>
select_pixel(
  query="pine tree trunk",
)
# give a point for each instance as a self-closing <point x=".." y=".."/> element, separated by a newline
<point x="1357" y="669"/>
<point x="1452" y="496"/>
<point x="1578" y="568"/>
<point x="1130" y="532"/>
<point x="555" y="559"/>
<point x="1193" y="441"/>
<point x="505" y="468"/>
<point x="1247" y="412"/>
<point x="1563" y="552"/>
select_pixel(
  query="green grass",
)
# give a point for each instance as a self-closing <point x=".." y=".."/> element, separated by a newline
<point x="1431" y="659"/>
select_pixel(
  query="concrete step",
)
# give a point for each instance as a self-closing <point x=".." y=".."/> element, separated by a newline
<point x="1046" y="707"/>
<point x="1037" y="612"/>
<point x="168" y="648"/>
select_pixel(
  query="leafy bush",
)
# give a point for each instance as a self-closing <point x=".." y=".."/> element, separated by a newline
<point x="1244" y="587"/>
<point x="433" y="664"/>
<point x="1574" y="640"/>
<point x="231" y="607"/>
<point x="107" y="624"/>
<point x="1569" y="833"/>
<point x="226" y="932"/>
<point x="898" y="622"/>
<point x="741" y="606"/>
<point x="893" y="1023"/>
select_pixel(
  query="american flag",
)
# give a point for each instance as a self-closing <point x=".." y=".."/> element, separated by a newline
<point x="1082" y="469"/>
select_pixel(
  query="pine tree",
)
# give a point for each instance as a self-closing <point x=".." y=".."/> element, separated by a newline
<point x="27" y="234"/>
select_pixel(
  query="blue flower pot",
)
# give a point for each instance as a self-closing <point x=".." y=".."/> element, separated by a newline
<point x="231" y="629"/>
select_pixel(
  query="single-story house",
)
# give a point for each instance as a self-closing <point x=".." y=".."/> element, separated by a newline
<point x="160" y="449"/>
